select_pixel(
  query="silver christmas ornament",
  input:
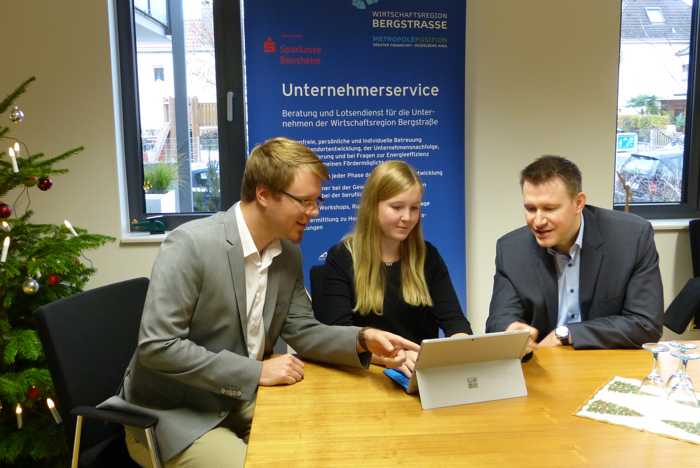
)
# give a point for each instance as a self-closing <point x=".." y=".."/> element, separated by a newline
<point x="30" y="286"/>
<point x="16" y="115"/>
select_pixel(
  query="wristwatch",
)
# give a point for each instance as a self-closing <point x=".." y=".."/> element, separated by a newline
<point x="562" y="332"/>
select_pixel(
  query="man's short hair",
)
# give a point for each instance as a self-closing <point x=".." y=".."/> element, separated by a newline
<point x="547" y="167"/>
<point x="274" y="163"/>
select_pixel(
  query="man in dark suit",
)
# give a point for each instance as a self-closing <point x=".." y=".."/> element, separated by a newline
<point x="222" y="290"/>
<point x="575" y="275"/>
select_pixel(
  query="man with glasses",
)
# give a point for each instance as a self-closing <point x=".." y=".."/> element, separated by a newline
<point x="307" y="205"/>
<point x="222" y="290"/>
<point x="576" y="274"/>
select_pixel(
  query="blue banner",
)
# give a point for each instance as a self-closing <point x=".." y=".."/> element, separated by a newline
<point x="361" y="82"/>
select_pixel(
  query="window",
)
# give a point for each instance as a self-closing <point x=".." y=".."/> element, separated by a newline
<point x="154" y="9"/>
<point x="655" y="15"/>
<point x="657" y="165"/>
<point x="180" y="65"/>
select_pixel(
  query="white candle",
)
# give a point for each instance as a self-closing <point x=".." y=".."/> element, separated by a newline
<point x="54" y="411"/>
<point x="70" y="227"/>
<point x="16" y="147"/>
<point x="5" y="226"/>
<point x="13" y="158"/>
<point x="18" y="412"/>
<point x="5" y="248"/>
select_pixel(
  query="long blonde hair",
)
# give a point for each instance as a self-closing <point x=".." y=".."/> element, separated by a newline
<point x="386" y="181"/>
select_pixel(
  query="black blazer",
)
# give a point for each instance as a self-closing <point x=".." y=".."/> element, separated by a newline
<point x="621" y="295"/>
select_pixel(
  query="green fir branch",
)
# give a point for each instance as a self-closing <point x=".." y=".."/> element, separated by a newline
<point x="22" y="344"/>
<point x="39" y="439"/>
<point x="49" y="442"/>
<point x="11" y="445"/>
<point x="5" y="328"/>
<point x="10" y="389"/>
<point x="31" y="166"/>
<point x="49" y="162"/>
<point x="14" y="385"/>
<point x="10" y="99"/>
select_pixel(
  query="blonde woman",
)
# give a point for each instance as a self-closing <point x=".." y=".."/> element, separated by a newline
<point x="383" y="274"/>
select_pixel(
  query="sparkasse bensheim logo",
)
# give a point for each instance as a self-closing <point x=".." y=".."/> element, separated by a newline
<point x="269" y="46"/>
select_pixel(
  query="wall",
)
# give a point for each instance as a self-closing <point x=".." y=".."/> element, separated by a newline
<point x="676" y="268"/>
<point x="542" y="79"/>
<point x="66" y="46"/>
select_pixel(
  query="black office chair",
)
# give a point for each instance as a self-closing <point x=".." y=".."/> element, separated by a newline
<point x="686" y="306"/>
<point x="88" y="340"/>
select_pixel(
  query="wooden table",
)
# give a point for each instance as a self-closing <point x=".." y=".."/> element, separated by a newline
<point x="339" y="417"/>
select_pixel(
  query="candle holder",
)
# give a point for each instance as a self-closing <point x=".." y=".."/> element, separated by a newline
<point x="54" y="412"/>
<point x="18" y="413"/>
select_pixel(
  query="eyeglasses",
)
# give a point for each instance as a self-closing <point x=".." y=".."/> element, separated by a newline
<point x="308" y="204"/>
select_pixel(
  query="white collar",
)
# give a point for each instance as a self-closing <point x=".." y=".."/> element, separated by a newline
<point x="247" y="243"/>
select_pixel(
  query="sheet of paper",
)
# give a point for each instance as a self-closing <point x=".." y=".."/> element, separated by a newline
<point x="619" y="402"/>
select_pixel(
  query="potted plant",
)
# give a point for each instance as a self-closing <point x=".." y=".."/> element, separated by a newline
<point x="158" y="183"/>
<point x="159" y="177"/>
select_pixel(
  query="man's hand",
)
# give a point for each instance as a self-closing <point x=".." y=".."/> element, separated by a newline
<point x="406" y="368"/>
<point x="386" y="345"/>
<point x="532" y="341"/>
<point x="282" y="369"/>
<point x="549" y="341"/>
<point x="458" y="334"/>
<point x="409" y="365"/>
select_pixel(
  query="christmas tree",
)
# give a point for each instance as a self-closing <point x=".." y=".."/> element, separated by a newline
<point x="39" y="263"/>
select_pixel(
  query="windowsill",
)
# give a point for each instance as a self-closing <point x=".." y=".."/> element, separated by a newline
<point x="669" y="224"/>
<point x="145" y="238"/>
<point x="141" y="238"/>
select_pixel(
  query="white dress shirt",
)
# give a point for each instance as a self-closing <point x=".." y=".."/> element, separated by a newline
<point x="256" y="269"/>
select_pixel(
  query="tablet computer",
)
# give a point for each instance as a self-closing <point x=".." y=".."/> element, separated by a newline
<point x="467" y="369"/>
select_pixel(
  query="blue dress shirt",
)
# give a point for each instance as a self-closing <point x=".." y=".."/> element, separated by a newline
<point x="568" y="280"/>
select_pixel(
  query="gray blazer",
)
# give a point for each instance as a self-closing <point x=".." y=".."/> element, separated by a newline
<point x="621" y="295"/>
<point x="191" y="364"/>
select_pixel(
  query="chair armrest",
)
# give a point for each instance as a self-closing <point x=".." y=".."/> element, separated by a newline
<point x="116" y="416"/>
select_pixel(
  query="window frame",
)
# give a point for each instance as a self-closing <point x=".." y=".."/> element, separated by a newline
<point x="689" y="207"/>
<point x="228" y="55"/>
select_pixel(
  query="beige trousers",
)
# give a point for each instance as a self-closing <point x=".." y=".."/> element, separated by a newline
<point x="224" y="446"/>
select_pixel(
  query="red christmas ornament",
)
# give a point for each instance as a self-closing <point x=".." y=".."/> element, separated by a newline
<point x="45" y="183"/>
<point x="33" y="393"/>
<point x="31" y="181"/>
<point x="5" y="210"/>
<point x="53" y="280"/>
